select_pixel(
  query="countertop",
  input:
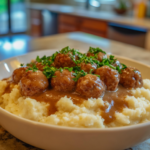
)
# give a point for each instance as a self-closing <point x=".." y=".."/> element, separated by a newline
<point x="79" y="41"/>
<point x="102" y="15"/>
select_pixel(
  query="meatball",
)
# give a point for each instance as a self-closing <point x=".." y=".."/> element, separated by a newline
<point x="39" y="66"/>
<point x="90" y="86"/>
<point x="100" y="56"/>
<point x="109" y="76"/>
<point x="90" y="54"/>
<point x="88" y="67"/>
<point x="63" y="81"/>
<point x="18" y="74"/>
<point x="131" y="78"/>
<point x="33" y="83"/>
<point x="64" y="60"/>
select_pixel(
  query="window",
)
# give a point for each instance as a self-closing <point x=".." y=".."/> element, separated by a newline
<point x="12" y="16"/>
<point x="3" y="17"/>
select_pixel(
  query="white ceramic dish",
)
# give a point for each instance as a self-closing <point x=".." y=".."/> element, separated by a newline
<point x="64" y="138"/>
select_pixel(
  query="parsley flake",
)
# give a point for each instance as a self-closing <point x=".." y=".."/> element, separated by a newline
<point x="79" y="74"/>
<point x="21" y="65"/>
<point x="32" y="68"/>
<point x="90" y="71"/>
<point x="96" y="50"/>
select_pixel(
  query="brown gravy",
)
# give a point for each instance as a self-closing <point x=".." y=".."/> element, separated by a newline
<point x="10" y="85"/>
<point x="52" y="97"/>
<point x="116" y="102"/>
<point x="115" y="99"/>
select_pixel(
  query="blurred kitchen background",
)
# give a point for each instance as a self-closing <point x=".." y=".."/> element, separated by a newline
<point x="127" y="21"/>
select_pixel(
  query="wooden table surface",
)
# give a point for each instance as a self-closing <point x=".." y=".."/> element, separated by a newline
<point x="76" y="40"/>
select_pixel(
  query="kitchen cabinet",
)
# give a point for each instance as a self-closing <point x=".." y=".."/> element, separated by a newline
<point x="67" y="23"/>
<point x="70" y="23"/>
<point x="36" y="23"/>
<point x="70" y="19"/>
<point x="127" y="34"/>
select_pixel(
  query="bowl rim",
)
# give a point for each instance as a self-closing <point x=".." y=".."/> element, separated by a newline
<point x="80" y="129"/>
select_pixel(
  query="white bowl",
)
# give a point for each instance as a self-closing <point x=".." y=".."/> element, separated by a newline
<point x="65" y="138"/>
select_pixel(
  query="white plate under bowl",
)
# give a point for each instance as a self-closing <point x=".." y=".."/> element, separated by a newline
<point x="52" y="137"/>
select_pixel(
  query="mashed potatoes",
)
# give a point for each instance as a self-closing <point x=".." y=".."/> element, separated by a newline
<point x="86" y="115"/>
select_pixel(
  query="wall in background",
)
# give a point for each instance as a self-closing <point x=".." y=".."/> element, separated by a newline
<point x="66" y="2"/>
<point x="105" y="5"/>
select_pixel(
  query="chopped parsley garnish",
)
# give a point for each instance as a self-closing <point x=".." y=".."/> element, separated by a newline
<point x="49" y="71"/>
<point x="107" y="62"/>
<point x="65" y="50"/>
<point x="79" y="74"/>
<point x="52" y="58"/>
<point x="32" y="68"/>
<point x="96" y="50"/>
<point x="118" y="69"/>
<point x="69" y="69"/>
<point x="76" y="68"/>
<point x="45" y="60"/>
<point x="85" y="59"/>
<point x="90" y="71"/>
<point x="77" y="58"/>
<point x="38" y="59"/>
<point x="21" y="65"/>
<point x="111" y="57"/>
<point x="123" y="66"/>
<point x="97" y="75"/>
<point x="29" y="64"/>
<point x="61" y="70"/>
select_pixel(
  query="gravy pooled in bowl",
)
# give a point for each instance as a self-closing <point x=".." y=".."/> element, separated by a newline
<point x="115" y="99"/>
<point x="92" y="90"/>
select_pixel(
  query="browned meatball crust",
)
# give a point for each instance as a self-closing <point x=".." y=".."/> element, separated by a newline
<point x="131" y="78"/>
<point x="33" y="83"/>
<point x="64" y="60"/>
<point x="88" y="67"/>
<point x="90" y="86"/>
<point x="18" y="74"/>
<point x="109" y="76"/>
<point x="39" y="66"/>
<point x="100" y="56"/>
<point x="63" y="81"/>
<point x="90" y="54"/>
